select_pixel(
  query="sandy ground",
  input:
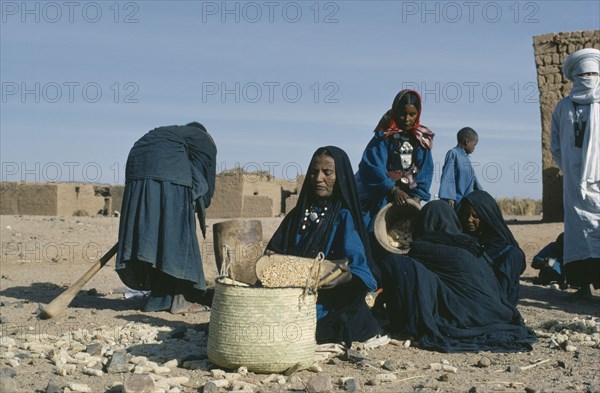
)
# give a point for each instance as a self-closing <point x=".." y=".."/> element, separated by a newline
<point x="43" y="255"/>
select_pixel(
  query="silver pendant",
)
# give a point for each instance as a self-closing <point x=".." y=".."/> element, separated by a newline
<point x="313" y="216"/>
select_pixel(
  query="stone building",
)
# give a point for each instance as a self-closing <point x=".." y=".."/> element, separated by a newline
<point x="551" y="50"/>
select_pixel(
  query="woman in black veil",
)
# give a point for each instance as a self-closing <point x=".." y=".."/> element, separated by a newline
<point x="327" y="218"/>
<point x="445" y="294"/>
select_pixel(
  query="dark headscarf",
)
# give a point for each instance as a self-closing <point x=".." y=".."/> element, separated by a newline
<point x="438" y="223"/>
<point x="493" y="234"/>
<point x="344" y="195"/>
<point x="389" y="121"/>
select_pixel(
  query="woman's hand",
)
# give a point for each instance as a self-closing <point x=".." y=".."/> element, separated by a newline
<point x="399" y="197"/>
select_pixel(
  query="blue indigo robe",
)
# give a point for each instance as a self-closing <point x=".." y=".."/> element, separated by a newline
<point x="374" y="185"/>
<point x="170" y="175"/>
<point x="458" y="177"/>
<point x="344" y="243"/>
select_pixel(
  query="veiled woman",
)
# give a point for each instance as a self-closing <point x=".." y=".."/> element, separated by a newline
<point x="445" y="294"/>
<point x="327" y="218"/>
<point x="480" y="216"/>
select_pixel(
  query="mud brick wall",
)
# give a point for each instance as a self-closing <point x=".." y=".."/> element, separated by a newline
<point x="228" y="199"/>
<point x="551" y="50"/>
<point x="78" y="197"/>
<point x="28" y="198"/>
<point x="263" y="188"/>
<point x="256" y="206"/>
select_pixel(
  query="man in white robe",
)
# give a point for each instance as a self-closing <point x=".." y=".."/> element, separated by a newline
<point x="575" y="146"/>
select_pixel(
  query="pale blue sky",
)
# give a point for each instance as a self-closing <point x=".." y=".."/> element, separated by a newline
<point x="171" y="63"/>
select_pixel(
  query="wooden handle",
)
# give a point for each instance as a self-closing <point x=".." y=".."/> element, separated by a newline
<point x="62" y="301"/>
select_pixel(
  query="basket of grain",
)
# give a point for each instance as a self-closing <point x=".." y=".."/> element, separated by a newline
<point x="394" y="226"/>
<point x="267" y="330"/>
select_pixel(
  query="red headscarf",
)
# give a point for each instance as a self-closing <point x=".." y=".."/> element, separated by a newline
<point x="388" y="122"/>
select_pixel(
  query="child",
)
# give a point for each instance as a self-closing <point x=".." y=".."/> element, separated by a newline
<point x="397" y="164"/>
<point x="458" y="177"/>
<point x="549" y="262"/>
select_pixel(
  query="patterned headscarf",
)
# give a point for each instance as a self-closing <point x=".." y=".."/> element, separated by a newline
<point x="389" y="121"/>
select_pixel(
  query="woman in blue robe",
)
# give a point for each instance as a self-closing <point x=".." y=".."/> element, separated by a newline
<point x="397" y="164"/>
<point x="169" y="176"/>
<point x="327" y="218"/>
<point x="480" y="216"/>
<point x="444" y="293"/>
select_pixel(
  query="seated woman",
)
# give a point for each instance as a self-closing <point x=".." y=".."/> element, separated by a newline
<point x="445" y="294"/>
<point x="327" y="218"/>
<point x="480" y="216"/>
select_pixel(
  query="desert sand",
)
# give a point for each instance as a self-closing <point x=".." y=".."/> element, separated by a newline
<point x="41" y="256"/>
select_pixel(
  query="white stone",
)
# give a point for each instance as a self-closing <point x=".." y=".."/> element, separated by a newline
<point x="93" y="371"/>
<point x="387" y="377"/>
<point x="171" y="363"/>
<point x="14" y="362"/>
<point x="269" y="379"/>
<point x="221" y="383"/>
<point x="79" y="387"/>
<point x="448" y="368"/>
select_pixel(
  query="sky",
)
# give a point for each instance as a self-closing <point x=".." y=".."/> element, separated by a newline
<point x="272" y="81"/>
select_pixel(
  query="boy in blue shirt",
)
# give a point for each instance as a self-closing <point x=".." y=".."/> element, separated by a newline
<point x="458" y="177"/>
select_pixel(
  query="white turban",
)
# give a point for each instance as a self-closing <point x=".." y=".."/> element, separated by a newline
<point x="586" y="91"/>
<point x="584" y="60"/>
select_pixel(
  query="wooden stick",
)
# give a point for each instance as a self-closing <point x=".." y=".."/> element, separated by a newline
<point x="62" y="301"/>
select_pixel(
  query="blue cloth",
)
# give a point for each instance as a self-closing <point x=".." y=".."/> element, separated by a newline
<point x="170" y="175"/>
<point x="458" y="177"/>
<point x="344" y="243"/>
<point x="179" y="154"/>
<point x="374" y="185"/>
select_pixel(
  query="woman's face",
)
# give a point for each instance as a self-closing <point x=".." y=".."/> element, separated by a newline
<point x="469" y="220"/>
<point x="408" y="117"/>
<point x="322" y="176"/>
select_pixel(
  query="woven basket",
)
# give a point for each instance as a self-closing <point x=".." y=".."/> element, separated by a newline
<point x="393" y="216"/>
<point x="267" y="330"/>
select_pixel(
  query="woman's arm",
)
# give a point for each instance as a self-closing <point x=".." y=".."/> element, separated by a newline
<point x="424" y="176"/>
<point x="372" y="169"/>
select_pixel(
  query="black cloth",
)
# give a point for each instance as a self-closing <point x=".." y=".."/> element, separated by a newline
<point x="447" y="295"/>
<point x="493" y="233"/>
<point x="583" y="273"/>
<point x="498" y="242"/>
